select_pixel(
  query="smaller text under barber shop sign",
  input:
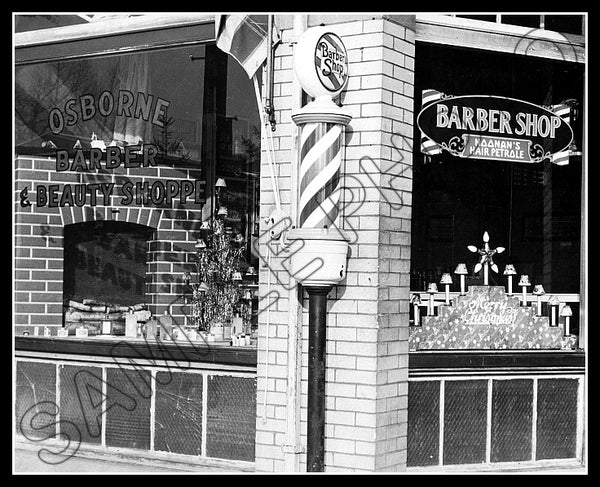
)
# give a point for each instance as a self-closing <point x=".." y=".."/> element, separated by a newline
<point x="494" y="128"/>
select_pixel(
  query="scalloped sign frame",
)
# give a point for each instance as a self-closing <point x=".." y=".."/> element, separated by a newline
<point x="494" y="128"/>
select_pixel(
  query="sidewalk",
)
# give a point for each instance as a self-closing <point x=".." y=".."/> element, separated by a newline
<point x="27" y="461"/>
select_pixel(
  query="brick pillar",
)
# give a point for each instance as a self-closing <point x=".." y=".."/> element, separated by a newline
<point x="367" y="321"/>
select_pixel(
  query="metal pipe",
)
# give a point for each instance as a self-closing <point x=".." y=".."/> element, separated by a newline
<point x="317" y="326"/>
<point x="269" y="75"/>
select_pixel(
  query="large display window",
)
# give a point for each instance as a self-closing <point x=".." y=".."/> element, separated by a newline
<point x="533" y="210"/>
<point x="174" y="128"/>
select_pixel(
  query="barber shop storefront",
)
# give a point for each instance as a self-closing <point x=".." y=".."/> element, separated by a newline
<point x="359" y="247"/>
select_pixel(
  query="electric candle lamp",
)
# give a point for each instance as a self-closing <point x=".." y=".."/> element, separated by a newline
<point x="461" y="270"/>
<point x="524" y="283"/>
<point x="416" y="302"/>
<point x="553" y="303"/>
<point x="509" y="271"/>
<point x="538" y="290"/>
<point x="567" y="313"/>
<point x="237" y="276"/>
<point x="431" y="289"/>
<point x="200" y="244"/>
<point x="446" y="281"/>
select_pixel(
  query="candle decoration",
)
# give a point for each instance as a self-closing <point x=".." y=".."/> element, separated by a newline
<point x="431" y="289"/>
<point x="416" y="302"/>
<point x="446" y="281"/>
<point x="567" y="312"/>
<point x="538" y="290"/>
<point x="461" y="270"/>
<point x="553" y="304"/>
<point x="509" y="271"/>
<point x="486" y="261"/>
<point x="524" y="283"/>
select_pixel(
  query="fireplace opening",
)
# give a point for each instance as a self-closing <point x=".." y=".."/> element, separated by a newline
<point x="104" y="273"/>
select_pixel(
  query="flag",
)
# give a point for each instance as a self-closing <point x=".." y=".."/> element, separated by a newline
<point x="245" y="38"/>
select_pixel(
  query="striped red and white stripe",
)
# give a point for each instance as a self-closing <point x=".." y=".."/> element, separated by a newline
<point x="320" y="183"/>
<point x="245" y="38"/>
<point x="428" y="146"/>
<point x="564" y="112"/>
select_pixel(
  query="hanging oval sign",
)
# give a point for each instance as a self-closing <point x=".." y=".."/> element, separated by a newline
<point x="494" y="127"/>
<point x="321" y="62"/>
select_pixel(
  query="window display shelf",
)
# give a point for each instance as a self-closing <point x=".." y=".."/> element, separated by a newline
<point x="220" y="353"/>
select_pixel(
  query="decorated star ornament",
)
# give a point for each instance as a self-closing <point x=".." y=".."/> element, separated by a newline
<point x="486" y="259"/>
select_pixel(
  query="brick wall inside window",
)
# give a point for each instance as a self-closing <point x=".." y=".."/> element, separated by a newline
<point x="39" y="236"/>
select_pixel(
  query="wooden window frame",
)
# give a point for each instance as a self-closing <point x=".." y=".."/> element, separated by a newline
<point x="111" y="37"/>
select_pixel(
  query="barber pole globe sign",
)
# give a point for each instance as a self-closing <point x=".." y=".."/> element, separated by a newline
<point x="321" y="66"/>
<point x="321" y="63"/>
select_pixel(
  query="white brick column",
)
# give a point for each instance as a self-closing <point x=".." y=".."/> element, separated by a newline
<point x="367" y="334"/>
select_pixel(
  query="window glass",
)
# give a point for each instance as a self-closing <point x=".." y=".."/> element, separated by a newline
<point x="568" y="24"/>
<point x="194" y="104"/>
<point x="238" y="158"/>
<point x="522" y="20"/>
<point x="115" y="100"/>
<point x="531" y="209"/>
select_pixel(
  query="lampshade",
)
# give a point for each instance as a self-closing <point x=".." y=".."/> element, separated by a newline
<point x="461" y="269"/>
<point x="553" y="301"/>
<point x="538" y="289"/>
<point x="524" y="280"/>
<point x="200" y="244"/>
<point x="237" y="276"/>
<point x="509" y="270"/>
<point x="222" y="211"/>
<point x="446" y="278"/>
<point x="251" y="271"/>
<point x="432" y="288"/>
<point x="566" y="311"/>
<point x="220" y="183"/>
<point x="203" y="287"/>
<point x="415" y="299"/>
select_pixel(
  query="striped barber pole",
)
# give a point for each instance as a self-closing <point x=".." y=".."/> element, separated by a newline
<point x="564" y="112"/>
<point x="320" y="183"/>
<point x="428" y="146"/>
